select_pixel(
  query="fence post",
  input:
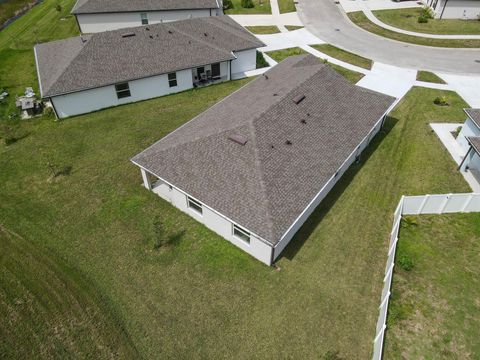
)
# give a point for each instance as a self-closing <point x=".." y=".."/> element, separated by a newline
<point x="467" y="202"/>
<point x="445" y="202"/>
<point x="422" y="204"/>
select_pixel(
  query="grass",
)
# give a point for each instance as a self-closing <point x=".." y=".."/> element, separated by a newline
<point x="362" y="21"/>
<point x="344" y="55"/>
<point x="268" y="29"/>
<point x="435" y="307"/>
<point x="10" y="8"/>
<point x="407" y="19"/>
<point x="293" y="27"/>
<point x="260" y="7"/>
<point x="261" y="62"/>
<point x="279" y="55"/>
<point x="428" y="76"/>
<point x="286" y="6"/>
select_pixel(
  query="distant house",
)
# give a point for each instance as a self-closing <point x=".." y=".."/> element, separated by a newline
<point x="454" y="9"/>
<point x="92" y="72"/>
<point x="469" y="140"/>
<point x="254" y="166"/>
<point x="103" y="15"/>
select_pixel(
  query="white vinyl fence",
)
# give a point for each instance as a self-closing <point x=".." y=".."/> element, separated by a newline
<point x="415" y="205"/>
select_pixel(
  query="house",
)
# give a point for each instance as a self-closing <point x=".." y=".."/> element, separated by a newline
<point x="254" y="166"/>
<point x="92" y="72"/>
<point x="454" y="9"/>
<point x="469" y="140"/>
<point x="104" y="15"/>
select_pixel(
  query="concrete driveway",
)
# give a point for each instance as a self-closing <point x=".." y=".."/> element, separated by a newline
<point x="325" y="19"/>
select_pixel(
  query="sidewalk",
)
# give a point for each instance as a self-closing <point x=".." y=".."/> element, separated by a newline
<point x="364" y="6"/>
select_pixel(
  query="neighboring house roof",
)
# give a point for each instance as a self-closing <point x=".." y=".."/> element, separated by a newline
<point x="113" y="6"/>
<point x="291" y="150"/>
<point x="475" y="142"/>
<point x="474" y="114"/>
<point x="107" y="58"/>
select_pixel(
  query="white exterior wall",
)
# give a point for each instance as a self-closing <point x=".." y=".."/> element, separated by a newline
<point x="472" y="161"/>
<point x="324" y="192"/>
<point x="95" y="99"/>
<point x="246" y="60"/>
<point x="216" y="222"/>
<point x="92" y="23"/>
<point x="468" y="129"/>
<point x="456" y="9"/>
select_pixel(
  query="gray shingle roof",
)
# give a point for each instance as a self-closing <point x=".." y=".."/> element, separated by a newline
<point x="475" y="142"/>
<point x="474" y="114"/>
<point x="109" y="6"/>
<point x="106" y="58"/>
<point x="266" y="184"/>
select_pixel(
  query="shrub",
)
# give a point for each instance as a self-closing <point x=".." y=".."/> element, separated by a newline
<point x="247" y="4"/>
<point x="441" y="100"/>
<point x="58" y="7"/>
<point x="405" y="262"/>
<point x="261" y="62"/>
<point x="409" y="221"/>
<point x="426" y="12"/>
<point x="227" y="4"/>
<point x="422" y="19"/>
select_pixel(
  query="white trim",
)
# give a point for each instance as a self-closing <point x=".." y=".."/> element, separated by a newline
<point x="195" y="202"/>
<point x="243" y="231"/>
<point x="38" y="71"/>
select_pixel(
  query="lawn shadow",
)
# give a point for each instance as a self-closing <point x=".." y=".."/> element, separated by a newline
<point x="326" y="204"/>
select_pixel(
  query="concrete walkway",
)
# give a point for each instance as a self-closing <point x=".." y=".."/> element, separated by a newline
<point x="352" y="5"/>
<point x="444" y="133"/>
<point x="364" y="6"/>
<point x="279" y="20"/>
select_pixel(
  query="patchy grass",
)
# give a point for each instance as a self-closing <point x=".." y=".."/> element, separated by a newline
<point x="428" y="76"/>
<point x="362" y="21"/>
<point x="261" y="62"/>
<point x="10" y="8"/>
<point x="286" y="6"/>
<point x="435" y="307"/>
<point x="268" y="29"/>
<point x="344" y="55"/>
<point x="260" y="7"/>
<point x="407" y="19"/>
<point x="279" y="55"/>
<point x="201" y="296"/>
<point x="293" y="27"/>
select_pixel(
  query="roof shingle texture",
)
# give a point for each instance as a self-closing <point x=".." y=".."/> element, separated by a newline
<point x="107" y="58"/>
<point x="474" y="114"/>
<point x="266" y="184"/>
<point x="112" y="6"/>
<point x="475" y="142"/>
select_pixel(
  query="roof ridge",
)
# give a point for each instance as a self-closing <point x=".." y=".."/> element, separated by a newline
<point x="229" y="27"/>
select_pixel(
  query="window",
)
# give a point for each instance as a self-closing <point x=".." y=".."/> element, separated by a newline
<point x="216" y="70"/>
<point x="241" y="234"/>
<point x="172" y="79"/>
<point x="144" y="18"/>
<point x="195" y="205"/>
<point x="123" y="90"/>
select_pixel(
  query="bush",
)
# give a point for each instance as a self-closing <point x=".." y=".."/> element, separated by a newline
<point x="422" y="19"/>
<point x="441" y="100"/>
<point x="247" y="4"/>
<point x="58" y="7"/>
<point x="261" y="62"/>
<point x="426" y="12"/>
<point x="159" y="235"/>
<point x="227" y="4"/>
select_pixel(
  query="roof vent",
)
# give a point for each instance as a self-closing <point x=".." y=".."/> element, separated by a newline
<point x="126" y="35"/>
<point x="303" y="121"/>
<point x="150" y="36"/>
<point x="288" y="142"/>
<point x="298" y="99"/>
<point x="83" y="39"/>
<point x="239" y="139"/>
<point x="265" y="76"/>
<point x="147" y="28"/>
<point x="170" y="31"/>
<point x="205" y="34"/>
<point x="275" y="94"/>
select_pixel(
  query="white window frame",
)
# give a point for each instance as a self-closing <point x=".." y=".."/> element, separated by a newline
<point x="236" y="228"/>
<point x="144" y="18"/>
<point x="122" y="93"/>
<point x="174" y="79"/>
<point x="195" y="203"/>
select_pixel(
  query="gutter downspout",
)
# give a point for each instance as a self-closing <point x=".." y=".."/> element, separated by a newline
<point x="465" y="158"/>
<point x="443" y="10"/>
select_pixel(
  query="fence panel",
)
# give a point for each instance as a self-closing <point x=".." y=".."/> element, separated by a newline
<point x="456" y="203"/>
<point x="433" y="204"/>
<point x="474" y="205"/>
<point x="412" y="204"/>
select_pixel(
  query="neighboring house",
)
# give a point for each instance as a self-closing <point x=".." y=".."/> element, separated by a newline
<point x="469" y="140"/>
<point x="103" y="15"/>
<point x="254" y="166"/>
<point x="92" y="72"/>
<point x="471" y="128"/>
<point x="454" y="9"/>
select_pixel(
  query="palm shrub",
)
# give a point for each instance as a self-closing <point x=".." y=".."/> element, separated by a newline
<point x="247" y="4"/>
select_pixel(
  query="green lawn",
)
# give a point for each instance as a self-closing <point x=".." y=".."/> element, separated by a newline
<point x="269" y="29"/>
<point x="343" y="55"/>
<point x="407" y="19"/>
<point x="361" y="20"/>
<point x="79" y="273"/>
<point x="428" y="76"/>
<point x="9" y="8"/>
<point x="435" y="307"/>
<point x="279" y="55"/>
<point x="286" y="6"/>
<point x="260" y="7"/>
<point x="293" y="27"/>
